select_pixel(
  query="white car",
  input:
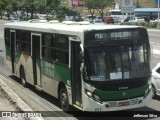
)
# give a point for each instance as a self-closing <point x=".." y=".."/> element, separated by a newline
<point x="117" y="19"/>
<point x="156" y="20"/>
<point x="156" y="80"/>
<point x="137" y="19"/>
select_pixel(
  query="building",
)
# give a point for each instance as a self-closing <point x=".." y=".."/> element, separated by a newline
<point x="148" y="8"/>
<point x="146" y="4"/>
<point x="75" y="3"/>
<point x="142" y="3"/>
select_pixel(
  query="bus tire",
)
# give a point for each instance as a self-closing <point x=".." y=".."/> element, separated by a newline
<point x="23" y="77"/>
<point x="63" y="97"/>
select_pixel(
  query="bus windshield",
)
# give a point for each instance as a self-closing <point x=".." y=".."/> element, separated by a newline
<point x="117" y="62"/>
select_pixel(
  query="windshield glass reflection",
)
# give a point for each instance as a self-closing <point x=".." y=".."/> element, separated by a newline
<point x="115" y="62"/>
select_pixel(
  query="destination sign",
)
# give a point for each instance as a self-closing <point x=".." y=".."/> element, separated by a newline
<point x="115" y="34"/>
<point x="124" y="34"/>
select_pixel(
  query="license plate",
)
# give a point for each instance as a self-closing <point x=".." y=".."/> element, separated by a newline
<point x="123" y="103"/>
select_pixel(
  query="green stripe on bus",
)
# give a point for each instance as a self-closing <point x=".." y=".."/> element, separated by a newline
<point x="117" y="95"/>
<point x="56" y="72"/>
<point x="8" y="54"/>
<point x="17" y="55"/>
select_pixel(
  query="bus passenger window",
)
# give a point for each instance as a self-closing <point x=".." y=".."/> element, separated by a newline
<point x="61" y="57"/>
<point x="47" y="53"/>
<point x="7" y="37"/>
<point x="7" y="42"/>
<point x="47" y="40"/>
<point x="17" y="45"/>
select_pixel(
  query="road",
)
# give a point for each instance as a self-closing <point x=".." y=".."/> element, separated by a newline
<point x="155" y="45"/>
<point x="43" y="102"/>
<point x="154" y="35"/>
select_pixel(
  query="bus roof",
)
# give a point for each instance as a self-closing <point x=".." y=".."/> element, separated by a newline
<point x="61" y="27"/>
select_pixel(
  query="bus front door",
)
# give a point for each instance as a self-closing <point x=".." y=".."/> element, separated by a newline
<point x="76" y="76"/>
<point x="12" y="47"/>
<point x="36" y="38"/>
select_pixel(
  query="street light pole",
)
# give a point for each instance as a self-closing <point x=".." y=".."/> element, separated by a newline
<point x="158" y="15"/>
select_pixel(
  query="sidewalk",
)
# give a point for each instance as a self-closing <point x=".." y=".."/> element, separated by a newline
<point x="6" y="105"/>
<point x="11" y="103"/>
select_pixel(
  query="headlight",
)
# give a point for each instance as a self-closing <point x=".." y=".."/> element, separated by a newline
<point x="89" y="93"/>
<point x="93" y="96"/>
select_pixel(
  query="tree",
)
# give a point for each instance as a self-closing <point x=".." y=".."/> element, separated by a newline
<point x="102" y="4"/>
<point x="16" y="5"/>
<point x="32" y="6"/>
<point x="5" y="5"/>
<point x="98" y="5"/>
<point x="91" y="5"/>
<point x="2" y="7"/>
<point x="52" y="5"/>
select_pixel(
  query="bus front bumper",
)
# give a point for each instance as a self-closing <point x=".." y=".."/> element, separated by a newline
<point x="91" y="105"/>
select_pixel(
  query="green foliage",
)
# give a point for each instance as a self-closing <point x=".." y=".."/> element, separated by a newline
<point x="30" y="5"/>
<point x="25" y="18"/>
<point x="145" y="24"/>
<point x="153" y="25"/>
<point x="98" y="5"/>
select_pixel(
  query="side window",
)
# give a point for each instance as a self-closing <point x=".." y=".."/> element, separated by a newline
<point x="27" y="42"/>
<point x="61" y="49"/>
<point x="7" y="37"/>
<point x="19" y="44"/>
<point x="19" y="35"/>
<point x="61" y="42"/>
<point x="55" y="47"/>
<point x="47" y="53"/>
<point x="23" y="41"/>
<point x="158" y="70"/>
<point x="61" y="57"/>
<point x="47" y="40"/>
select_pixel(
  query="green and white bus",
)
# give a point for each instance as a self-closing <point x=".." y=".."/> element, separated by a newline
<point x="91" y="67"/>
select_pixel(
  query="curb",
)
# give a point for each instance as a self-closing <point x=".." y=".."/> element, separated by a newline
<point x="15" y="99"/>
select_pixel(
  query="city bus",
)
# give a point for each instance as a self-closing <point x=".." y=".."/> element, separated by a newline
<point x="90" y="67"/>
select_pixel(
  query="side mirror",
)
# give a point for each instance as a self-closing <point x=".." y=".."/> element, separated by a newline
<point x="85" y="74"/>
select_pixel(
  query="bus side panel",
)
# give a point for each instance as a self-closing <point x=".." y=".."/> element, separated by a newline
<point x="8" y="59"/>
<point x="17" y="56"/>
<point x="25" y="61"/>
<point x="52" y="74"/>
<point x="28" y="67"/>
<point x="50" y="85"/>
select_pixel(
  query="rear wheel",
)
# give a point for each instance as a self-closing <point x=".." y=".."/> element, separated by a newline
<point x="64" y="101"/>
<point x="23" y="77"/>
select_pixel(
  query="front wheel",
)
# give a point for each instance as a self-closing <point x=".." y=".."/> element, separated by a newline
<point x="23" y="77"/>
<point x="153" y="92"/>
<point x="64" y="101"/>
